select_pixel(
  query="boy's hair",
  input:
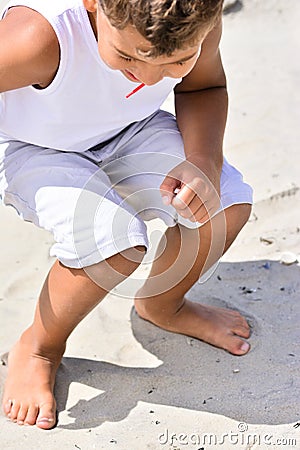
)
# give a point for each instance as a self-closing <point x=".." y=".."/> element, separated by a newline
<point x="168" y="25"/>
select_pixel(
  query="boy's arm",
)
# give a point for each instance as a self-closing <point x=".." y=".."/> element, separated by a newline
<point x="201" y="111"/>
<point x="29" y="50"/>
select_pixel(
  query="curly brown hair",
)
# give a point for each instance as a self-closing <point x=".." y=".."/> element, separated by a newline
<point x="168" y="25"/>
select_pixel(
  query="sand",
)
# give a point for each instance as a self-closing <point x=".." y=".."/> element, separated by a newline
<point x="127" y="385"/>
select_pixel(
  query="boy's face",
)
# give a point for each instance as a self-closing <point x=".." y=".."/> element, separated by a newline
<point x="124" y="50"/>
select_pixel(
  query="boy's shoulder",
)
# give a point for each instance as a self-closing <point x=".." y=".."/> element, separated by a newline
<point x="47" y="9"/>
<point x="31" y="53"/>
<point x="208" y="71"/>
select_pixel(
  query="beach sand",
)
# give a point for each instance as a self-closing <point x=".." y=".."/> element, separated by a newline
<point x="125" y="384"/>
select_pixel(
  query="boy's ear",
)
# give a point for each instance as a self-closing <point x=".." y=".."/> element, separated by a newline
<point x="90" y="5"/>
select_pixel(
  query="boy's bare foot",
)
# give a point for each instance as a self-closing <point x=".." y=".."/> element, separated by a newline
<point x="220" y="327"/>
<point x="28" y="395"/>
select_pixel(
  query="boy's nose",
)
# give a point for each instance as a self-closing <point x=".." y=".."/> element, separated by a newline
<point x="151" y="77"/>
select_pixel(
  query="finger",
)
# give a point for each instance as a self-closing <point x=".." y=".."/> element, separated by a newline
<point x="184" y="197"/>
<point x="211" y="204"/>
<point x="203" y="214"/>
<point x="167" y="189"/>
<point x="189" y="211"/>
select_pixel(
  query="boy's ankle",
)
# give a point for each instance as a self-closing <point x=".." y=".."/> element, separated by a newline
<point x="40" y="346"/>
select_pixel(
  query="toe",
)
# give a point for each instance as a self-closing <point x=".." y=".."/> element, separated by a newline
<point x="32" y="414"/>
<point x="237" y="346"/>
<point x="242" y="330"/>
<point x="46" y="423"/>
<point x="240" y="326"/>
<point x="47" y="416"/>
<point x="13" y="414"/>
<point x="22" y="414"/>
<point x="7" y="405"/>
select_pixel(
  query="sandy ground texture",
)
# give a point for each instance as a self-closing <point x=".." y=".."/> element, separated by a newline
<point x="127" y="385"/>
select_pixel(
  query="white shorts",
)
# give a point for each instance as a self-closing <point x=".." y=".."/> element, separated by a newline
<point x="95" y="202"/>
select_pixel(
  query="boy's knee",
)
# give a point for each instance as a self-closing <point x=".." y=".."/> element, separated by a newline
<point x="236" y="218"/>
<point x="241" y="214"/>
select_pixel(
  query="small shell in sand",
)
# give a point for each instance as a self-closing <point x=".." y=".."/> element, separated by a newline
<point x="288" y="258"/>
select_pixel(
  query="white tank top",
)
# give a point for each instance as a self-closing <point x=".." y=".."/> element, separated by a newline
<point x="85" y="104"/>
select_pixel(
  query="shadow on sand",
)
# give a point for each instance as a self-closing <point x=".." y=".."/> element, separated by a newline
<point x="262" y="387"/>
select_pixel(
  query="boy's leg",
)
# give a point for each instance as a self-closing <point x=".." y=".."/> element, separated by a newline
<point x="70" y="196"/>
<point x="145" y="158"/>
<point x="168" y="308"/>
<point x="67" y="296"/>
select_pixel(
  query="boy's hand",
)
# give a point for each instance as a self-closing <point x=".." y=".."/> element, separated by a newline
<point x="193" y="188"/>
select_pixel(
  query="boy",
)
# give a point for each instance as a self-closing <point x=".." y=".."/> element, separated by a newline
<point x="83" y="161"/>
